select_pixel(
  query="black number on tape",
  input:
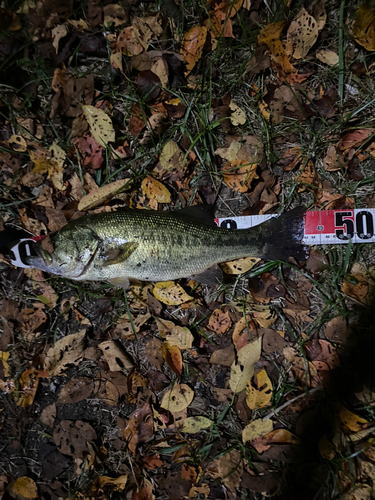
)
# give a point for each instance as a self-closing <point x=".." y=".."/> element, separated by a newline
<point x="365" y="225"/>
<point x="348" y="223"/>
<point x="229" y="224"/>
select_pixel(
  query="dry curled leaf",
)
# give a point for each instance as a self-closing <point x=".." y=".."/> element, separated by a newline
<point x="101" y="195"/>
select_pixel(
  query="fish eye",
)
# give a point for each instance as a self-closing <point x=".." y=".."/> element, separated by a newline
<point x="48" y="258"/>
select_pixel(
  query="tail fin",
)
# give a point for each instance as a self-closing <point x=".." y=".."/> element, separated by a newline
<point x="283" y="236"/>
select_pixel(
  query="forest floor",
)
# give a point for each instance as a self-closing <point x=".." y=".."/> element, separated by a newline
<point x="259" y="387"/>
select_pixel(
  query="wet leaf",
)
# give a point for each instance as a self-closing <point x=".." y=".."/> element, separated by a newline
<point x="260" y="395"/>
<point x="170" y="293"/>
<point x="73" y="438"/>
<point x="75" y="390"/>
<point x="364" y="25"/>
<point x="178" y="398"/>
<point x="243" y="369"/>
<point x="350" y="421"/>
<point x="192" y="46"/>
<point x="196" y="424"/>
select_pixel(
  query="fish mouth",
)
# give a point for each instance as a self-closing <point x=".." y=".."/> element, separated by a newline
<point x="41" y="259"/>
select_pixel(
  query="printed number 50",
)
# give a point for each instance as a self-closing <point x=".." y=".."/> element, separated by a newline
<point x="348" y="223"/>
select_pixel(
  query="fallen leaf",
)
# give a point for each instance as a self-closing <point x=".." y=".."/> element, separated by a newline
<point x="67" y="351"/>
<point x="302" y="34"/>
<point x="48" y="415"/>
<point x="170" y="293"/>
<point x="101" y="195"/>
<point x="140" y="427"/>
<point x="154" y="353"/>
<point x="240" y="266"/>
<point x="50" y="161"/>
<point x="279" y="436"/>
<point x="333" y="161"/>
<point x="244" y="332"/>
<point x="195" y="424"/>
<point x="155" y="190"/>
<point x="114" y="13"/>
<point x="364" y="25"/>
<point x="192" y="46"/>
<point x="73" y="438"/>
<point x="239" y="174"/>
<point x="178" y="398"/>
<point x="350" y="421"/>
<point x="327" y="57"/>
<point x="243" y="369"/>
<point x="171" y="156"/>
<point x="238" y="116"/>
<point x="260" y="395"/>
<point x="25" y="488"/>
<point x="100" y="124"/>
<point x="228" y="468"/>
<point x="75" y="390"/>
<point x="270" y="36"/>
<point x="257" y="428"/>
<point x="175" y="335"/>
<point x="356" y="286"/>
<point x="219" y="322"/>
<point x="17" y="143"/>
<point x="28" y="385"/>
<point x="173" y="357"/>
<point x="115" y="356"/>
<point x="354" y="139"/>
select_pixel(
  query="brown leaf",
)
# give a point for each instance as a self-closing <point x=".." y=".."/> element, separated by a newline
<point x="72" y="438"/>
<point x="270" y="36"/>
<point x="48" y="415"/>
<point x="354" y="139"/>
<point x="364" y="25"/>
<point x="24" y="488"/>
<point x="140" y="427"/>
<point x="192" y="46"/>
<point x="239" y="174"/>
<point x="245" y="331"/>
<point x="28" y="385"/>
<point x="110" y="386"/>
<point x="76" y="390"/>
<point x="229" y="468"/>
<point x="33" y="322"/>
<point x="154" y="353"/>
<point x="219" y="322"/>
<point x="258" y="63"/>
<point x="272" y="341"/>
<point x="224" y="357"/>
<point x="356" y="286"/>
<point x="137" y="121"/>
<point x="68" y="350"/>
<point x="302" y="34"/>
<point x="115" y="356"/>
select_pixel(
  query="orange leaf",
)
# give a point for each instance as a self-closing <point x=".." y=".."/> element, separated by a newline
<point x="173" y="357"/>
<point x="239" y="174"/>
<point x="270" y="36"/>
<point x="192" y="46"/>
<point x="28" y="385"/>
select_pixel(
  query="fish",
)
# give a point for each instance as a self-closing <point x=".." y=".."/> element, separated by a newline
<point x="147" y="245"/>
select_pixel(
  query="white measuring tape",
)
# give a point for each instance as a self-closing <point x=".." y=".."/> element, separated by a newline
<point x="321" y="228"/>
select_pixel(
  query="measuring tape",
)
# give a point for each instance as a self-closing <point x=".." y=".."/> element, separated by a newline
<point x="321" y="228"/>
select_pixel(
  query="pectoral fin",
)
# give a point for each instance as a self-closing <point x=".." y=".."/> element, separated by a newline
<point x="120" y="282"/>
<point x="119" y="254"/>
<point x="211" y="276"/>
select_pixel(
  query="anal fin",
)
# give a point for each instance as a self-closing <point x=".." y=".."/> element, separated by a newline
<point x="120" y="282"/>
<point x="211" y="276"/>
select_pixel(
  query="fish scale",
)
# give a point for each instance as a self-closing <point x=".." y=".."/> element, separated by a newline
<point x="160" y="246"/>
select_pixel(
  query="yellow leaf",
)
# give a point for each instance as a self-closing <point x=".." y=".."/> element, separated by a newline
<point x="100" y="124"/>
<point x="25" y="487"/>
<point x="240" y="266"/>
<point x="364" y="25"/>
<point x="4" y="356"/>
<point x="257" y="428"/>
<point x="350" y="421"/>
<point x="326" y="448"/>
<point x="239" y="174"/>
<point x="101" y="195"/>
<point x="171" y="156"/>
<point x="260" y="396"/>
<point x="178" y="398"/>
<point x="192" y="46"/>
<point x="265" y="318"/>
<point x="175" y="335"/>
<point x="155" y="190"/>
<point x="237" y="116"/>
<point x="66" y="351"/>
<point x="302" y="34"/>
<point x="270" y="36"/>
<point x="243" y="369"/>
<point x="170" y="293"/>
<point x="173" y="357"/>
<point x="196" y="424"/>
<point x="17" y="143"/>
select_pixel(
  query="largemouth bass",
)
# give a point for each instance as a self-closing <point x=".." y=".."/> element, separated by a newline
<point x="159" y="246"/>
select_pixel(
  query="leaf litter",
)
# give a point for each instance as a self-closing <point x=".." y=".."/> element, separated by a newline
<point x="175" y="389"/>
